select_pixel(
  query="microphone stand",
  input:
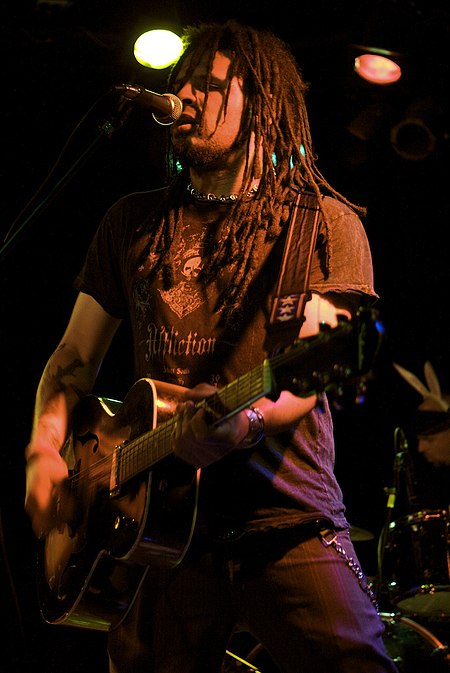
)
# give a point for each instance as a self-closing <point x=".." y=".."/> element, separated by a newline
<point x="402" y="464"/>
<point x="391" y="493"/>
<point x="404" y="458"/>
<point x="105" y="130"/>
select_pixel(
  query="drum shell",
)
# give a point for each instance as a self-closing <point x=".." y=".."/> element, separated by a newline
<point x="413" y="647"/>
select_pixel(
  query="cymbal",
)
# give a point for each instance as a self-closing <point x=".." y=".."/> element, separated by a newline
<point x="360" y="534"/>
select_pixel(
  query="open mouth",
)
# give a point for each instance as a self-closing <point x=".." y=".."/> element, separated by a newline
<point x="185" y="119"/>
<point x="184" y="126"/>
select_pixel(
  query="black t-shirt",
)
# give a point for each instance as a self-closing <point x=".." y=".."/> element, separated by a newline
<point x="180" y="337"/>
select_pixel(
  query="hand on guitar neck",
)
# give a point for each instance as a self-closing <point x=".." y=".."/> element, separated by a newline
<point x="197" y="440"/>
<point x="200" y="441"/>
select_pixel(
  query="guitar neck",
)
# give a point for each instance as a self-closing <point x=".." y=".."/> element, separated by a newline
<point x="142" y="453"/>
<point x="240" y="393"/>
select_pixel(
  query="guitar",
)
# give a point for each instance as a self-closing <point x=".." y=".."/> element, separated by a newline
<point x="135" y="501"/>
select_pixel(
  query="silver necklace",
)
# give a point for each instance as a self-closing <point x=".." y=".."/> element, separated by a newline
<point x="224" y="198"/>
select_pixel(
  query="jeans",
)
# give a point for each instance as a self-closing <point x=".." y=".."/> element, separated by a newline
<point x="296" y="594"/>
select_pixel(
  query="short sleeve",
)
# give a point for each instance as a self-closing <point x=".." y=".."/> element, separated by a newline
<point x="344" y="260"/>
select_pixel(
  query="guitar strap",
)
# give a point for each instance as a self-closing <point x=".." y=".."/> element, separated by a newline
<point x="292" y="290"/>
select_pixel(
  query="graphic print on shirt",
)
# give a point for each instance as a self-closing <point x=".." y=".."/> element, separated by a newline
<point x="185" y="296"/>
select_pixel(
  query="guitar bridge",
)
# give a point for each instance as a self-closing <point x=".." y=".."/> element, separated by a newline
<point x="114" y="482"/>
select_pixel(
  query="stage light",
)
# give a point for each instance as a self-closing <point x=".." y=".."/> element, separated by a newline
<point x="378" y="66"/>
<point x="157" y="49"/>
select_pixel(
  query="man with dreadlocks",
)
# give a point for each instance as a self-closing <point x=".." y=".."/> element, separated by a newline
<point x="194" y="266"/>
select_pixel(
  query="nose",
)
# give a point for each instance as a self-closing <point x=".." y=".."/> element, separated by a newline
<point x="186" y="94"/>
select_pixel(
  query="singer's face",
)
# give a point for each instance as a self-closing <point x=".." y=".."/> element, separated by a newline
<point x="213" y="142"/>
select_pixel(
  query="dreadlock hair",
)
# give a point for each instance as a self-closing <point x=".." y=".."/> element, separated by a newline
<point x="275" y="111"/>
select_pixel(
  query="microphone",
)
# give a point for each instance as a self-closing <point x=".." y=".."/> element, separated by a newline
<point x="166" y="108"/>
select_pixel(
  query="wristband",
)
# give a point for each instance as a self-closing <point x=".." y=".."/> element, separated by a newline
<point x="255" y="427"/>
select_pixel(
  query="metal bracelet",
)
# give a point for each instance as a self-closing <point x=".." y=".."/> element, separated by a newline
<point x="255" y="427"/>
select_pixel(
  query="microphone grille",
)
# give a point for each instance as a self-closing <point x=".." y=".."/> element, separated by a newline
<point x="174" y="114"/>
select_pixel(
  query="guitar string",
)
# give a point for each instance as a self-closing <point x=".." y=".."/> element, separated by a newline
<point x="164" y="432"/>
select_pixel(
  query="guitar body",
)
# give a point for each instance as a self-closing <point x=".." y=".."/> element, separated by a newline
<point x="91" y="567"/>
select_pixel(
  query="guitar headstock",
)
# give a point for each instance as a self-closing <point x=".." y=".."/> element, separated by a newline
<point x="332" y="360"/>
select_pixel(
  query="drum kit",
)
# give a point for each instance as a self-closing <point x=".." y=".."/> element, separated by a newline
<point x="413" y="579"/>
<point x="412" y="587"/>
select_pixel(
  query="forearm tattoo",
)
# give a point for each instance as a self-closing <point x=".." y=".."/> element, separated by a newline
<point x="57" y="379"/>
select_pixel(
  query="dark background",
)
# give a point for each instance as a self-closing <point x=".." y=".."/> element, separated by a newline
<point x="59" y="62"/>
